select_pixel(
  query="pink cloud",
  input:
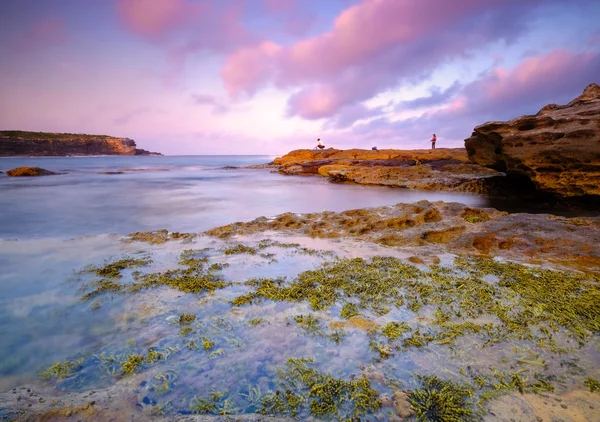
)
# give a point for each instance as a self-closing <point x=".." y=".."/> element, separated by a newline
<point x="41" y="34"/>
<point x="560" y="72"/>
<point x="156" y="18"/>
<point x="373" y="46"/>
<point x="501" y="94"/>
<point x="246" y="66"/>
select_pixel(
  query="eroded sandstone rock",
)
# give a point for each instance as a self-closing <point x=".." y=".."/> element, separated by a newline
<point x="558" y="149"/>
<point x="29" y="172"/>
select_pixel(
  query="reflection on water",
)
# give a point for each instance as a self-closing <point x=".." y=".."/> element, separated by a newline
<point x="192" y="196"/>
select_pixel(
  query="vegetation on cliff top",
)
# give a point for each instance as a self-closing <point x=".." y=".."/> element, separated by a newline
<point x="50" y="135"/>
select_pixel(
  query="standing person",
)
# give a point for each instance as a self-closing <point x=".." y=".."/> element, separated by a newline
<point x="433" y="139"/>
<point x="320" y="144"/>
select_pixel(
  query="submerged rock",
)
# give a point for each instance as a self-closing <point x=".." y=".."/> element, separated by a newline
<point x="29" y="172"/>
<point x="558" y="149"/>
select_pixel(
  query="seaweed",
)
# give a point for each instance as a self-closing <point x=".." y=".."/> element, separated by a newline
<point x="309" y="322"/>
<point x="348" y="310"/>
<point x="592" y="383"/>
<point x="255" y="321"/>
<point x="113" y="269"/>
<point x="130" y="365"/>
<point x="240" y="249"/>
<point x="185" y="319"/>
<point x="324" y="394"/>
<point x="438" y="400"/>
<point x="207" y="344"/>
<point x="61" y="370"/>
<point x="394" y="330"/>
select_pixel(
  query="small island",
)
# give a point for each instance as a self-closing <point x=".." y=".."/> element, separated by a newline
<point x="21" y="143"/>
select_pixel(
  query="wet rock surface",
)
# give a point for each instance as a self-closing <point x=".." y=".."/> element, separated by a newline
<point x="434" y="227"/>
<point x="29" y="172"/>
<point x="558" y="148"/>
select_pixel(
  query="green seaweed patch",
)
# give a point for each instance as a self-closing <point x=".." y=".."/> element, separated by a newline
<point x="475" y="215"/>
<point x="371" y="282"/>
<point x="394" y="330"/>
<point x="384" y="350"/>
<point x="593" y="384"/>
<point x="256" y="321"/>
<point x="186" y="319"/>
<point x="61" y="370"/>
<point x="207" y="344"/>
<point x="159" y="236"/>
<point x="217" y="403"/>
<point x="113" y="269"/>
<point x="194" y="278"/>
<point x="499" y="383"/>
<point x="349" y="310"/>
<point x="325" y="395"/>
<point x="439" y="400"/>
<point x="268" y="243"/>
<point x="309" y="322"/>
<point x="240" y="249"/>
<point x="100" y="287"/>
<point x="132" y="363"/>
<point x="153" y="356"/>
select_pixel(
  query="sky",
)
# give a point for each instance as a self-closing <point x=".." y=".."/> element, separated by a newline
<point x="270" y="76"/>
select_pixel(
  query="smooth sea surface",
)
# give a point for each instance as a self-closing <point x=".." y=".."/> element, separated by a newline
<point x="178" y="193"/>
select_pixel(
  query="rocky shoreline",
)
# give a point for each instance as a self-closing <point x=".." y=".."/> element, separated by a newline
<point x="553" y="155"/>
<point x="40" y="144"/>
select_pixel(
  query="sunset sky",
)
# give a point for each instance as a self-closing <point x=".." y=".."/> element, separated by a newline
<point x="269" y="76"/>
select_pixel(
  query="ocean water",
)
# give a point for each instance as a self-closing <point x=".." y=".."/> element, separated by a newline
<point x="180" y="193"/>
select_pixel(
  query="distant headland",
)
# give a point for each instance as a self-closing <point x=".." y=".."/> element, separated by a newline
<point x="22" y="143"/>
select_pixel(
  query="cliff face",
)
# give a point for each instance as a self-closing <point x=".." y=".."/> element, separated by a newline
<point x="15" y="143"/>
<point x="558" y="149"/>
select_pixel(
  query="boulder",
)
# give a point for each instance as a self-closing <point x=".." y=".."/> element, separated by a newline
<point x="558" y="149"/>
<point x="29" y="172"/>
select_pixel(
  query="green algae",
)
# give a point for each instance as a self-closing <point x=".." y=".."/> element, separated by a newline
<point x="394" y="330"/>
<point x="132" y="363"/>
<point x="349" y="310"/>
<point x="240" y="249"/>
<point x="207" y="344"/>
<point x="324" y="395"/>
<point x="255" y="321"/>
<point x="193" y="279"/>
<point x="268" y="243"/>
<point x="61" y="370"/>
<point x="113" y="269"/>
<point x="186" y="319"/>
<point x="593" y="384"/>
<point x="153" y="356"/>
<point x="100" y="287"/>
<point x="309" y="322"/>
<point x="438" y="400"/>
<point x="217" y="403"/>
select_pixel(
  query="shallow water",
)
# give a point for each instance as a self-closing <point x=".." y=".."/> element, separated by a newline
<point x="186" y="194"/>
<point x="43" y="320"/>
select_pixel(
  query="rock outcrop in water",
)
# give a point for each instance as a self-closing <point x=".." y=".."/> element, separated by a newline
<point x="17" y="143"/>
<point x="440" y="169"/>
<point x="29" y="172"/>
<point x="558" y="149"/>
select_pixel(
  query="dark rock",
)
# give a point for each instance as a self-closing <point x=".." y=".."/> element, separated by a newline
<point x="29" y="172"/>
